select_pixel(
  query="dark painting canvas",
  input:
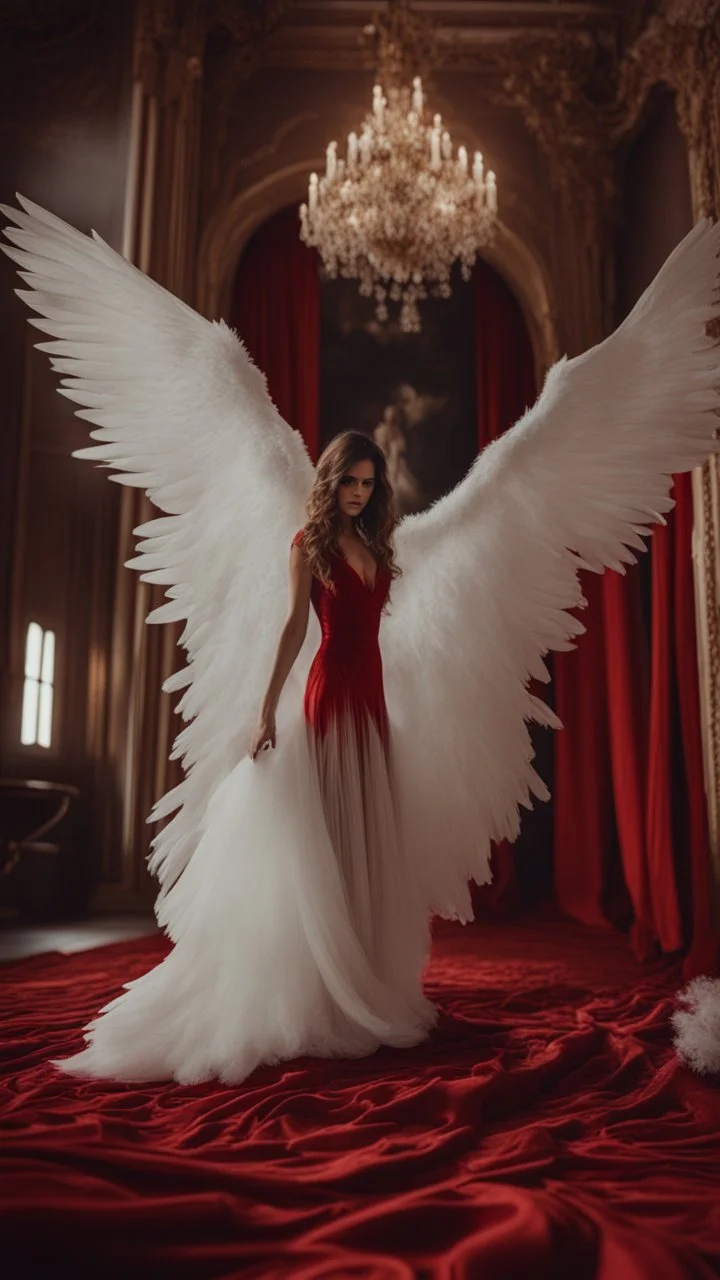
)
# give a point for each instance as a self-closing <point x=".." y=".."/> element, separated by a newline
<point x="414" y="393"/>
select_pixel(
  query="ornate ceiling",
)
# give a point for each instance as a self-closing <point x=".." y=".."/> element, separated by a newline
<point x="328" y="33"/>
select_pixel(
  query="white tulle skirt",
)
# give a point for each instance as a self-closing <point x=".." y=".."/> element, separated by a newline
<point x="298" y="924"/>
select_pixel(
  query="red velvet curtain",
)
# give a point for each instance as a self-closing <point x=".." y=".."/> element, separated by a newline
<point x="630" y="817"/>
<point x="505" y="368"/>
<point x="629" y="829"/>
<point x="505" y="387"/>
<point x="694" y="844"/>
<point x="276" y="311"/>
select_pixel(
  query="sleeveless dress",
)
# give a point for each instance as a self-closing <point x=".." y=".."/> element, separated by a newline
<point x="348" y="739"/>
<point x="299" y="925"/>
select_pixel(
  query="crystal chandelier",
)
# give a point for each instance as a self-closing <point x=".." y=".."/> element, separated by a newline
<point x="401" y="206"/>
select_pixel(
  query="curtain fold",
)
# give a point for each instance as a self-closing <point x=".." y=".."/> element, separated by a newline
<point x="505" y="387"/>
<point x="630" y="820"/>
<point x="276" y="311"/>
<point x="664" y="899"/>
<point x="697" y="885"/>
<point x="582" y="801"/>
<point x="626" y="656"/>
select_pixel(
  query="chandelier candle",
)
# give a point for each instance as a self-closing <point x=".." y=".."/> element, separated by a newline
<point x="402" y="208"/>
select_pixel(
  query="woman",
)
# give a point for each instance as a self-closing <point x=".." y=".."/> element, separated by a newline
<point x="343" y="562"/>
<point x="297" y="884"/>
<point x="305" y="930"/>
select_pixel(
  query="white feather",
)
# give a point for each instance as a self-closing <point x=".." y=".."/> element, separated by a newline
<point x="490" y="571"/>
<point x="697" y="1025"/>
<point x="183" y="413"/>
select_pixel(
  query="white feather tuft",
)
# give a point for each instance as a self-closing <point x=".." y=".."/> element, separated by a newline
<point x="697" y="1025"/>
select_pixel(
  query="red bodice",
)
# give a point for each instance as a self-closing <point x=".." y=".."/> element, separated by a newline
<point x="346" y="672"/>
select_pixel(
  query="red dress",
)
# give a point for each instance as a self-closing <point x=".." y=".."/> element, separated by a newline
<point x="346" y="678"/>
<point x="349" y="742"/>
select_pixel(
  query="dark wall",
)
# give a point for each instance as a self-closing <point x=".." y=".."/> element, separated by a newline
<point x="656" y="202"/>
<point x="657" y="207"/>
<point x="65" y="80"/>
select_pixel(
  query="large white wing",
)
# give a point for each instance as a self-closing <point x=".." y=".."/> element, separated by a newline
<point x="491" y="570"/>
<point x="183" y="413"/>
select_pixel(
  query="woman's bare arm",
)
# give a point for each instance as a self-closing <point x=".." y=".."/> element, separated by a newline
<point x="289" y="646"/>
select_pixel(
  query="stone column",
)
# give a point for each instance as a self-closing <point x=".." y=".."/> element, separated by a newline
<point x="159" y="237"/>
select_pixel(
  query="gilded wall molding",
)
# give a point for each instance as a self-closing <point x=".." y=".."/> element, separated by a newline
<point x="563" y="86"/>
<point x="681" y="48"/>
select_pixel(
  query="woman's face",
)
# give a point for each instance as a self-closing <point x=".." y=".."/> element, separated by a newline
<point x="355" y="488"/>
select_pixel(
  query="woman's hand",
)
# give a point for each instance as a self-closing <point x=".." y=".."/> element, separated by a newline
<point x="288" y="648"/>
<point x="264" y="734"/>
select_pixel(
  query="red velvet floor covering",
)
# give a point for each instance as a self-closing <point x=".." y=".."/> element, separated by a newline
<point x="546" y="1132"/>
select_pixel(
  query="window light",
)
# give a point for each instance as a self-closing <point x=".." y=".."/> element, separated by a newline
<point x="37" y="708"/>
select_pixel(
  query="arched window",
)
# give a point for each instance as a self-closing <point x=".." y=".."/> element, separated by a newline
<point x="37" y="705"/>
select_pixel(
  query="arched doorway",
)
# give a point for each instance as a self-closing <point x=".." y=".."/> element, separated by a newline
<point x="330" y="365"/>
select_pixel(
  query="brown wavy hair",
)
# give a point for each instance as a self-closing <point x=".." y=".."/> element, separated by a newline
<point x="377" y="521"/>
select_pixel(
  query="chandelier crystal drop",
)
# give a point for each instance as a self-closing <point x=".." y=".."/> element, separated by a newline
<point x="401" y="206"/>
